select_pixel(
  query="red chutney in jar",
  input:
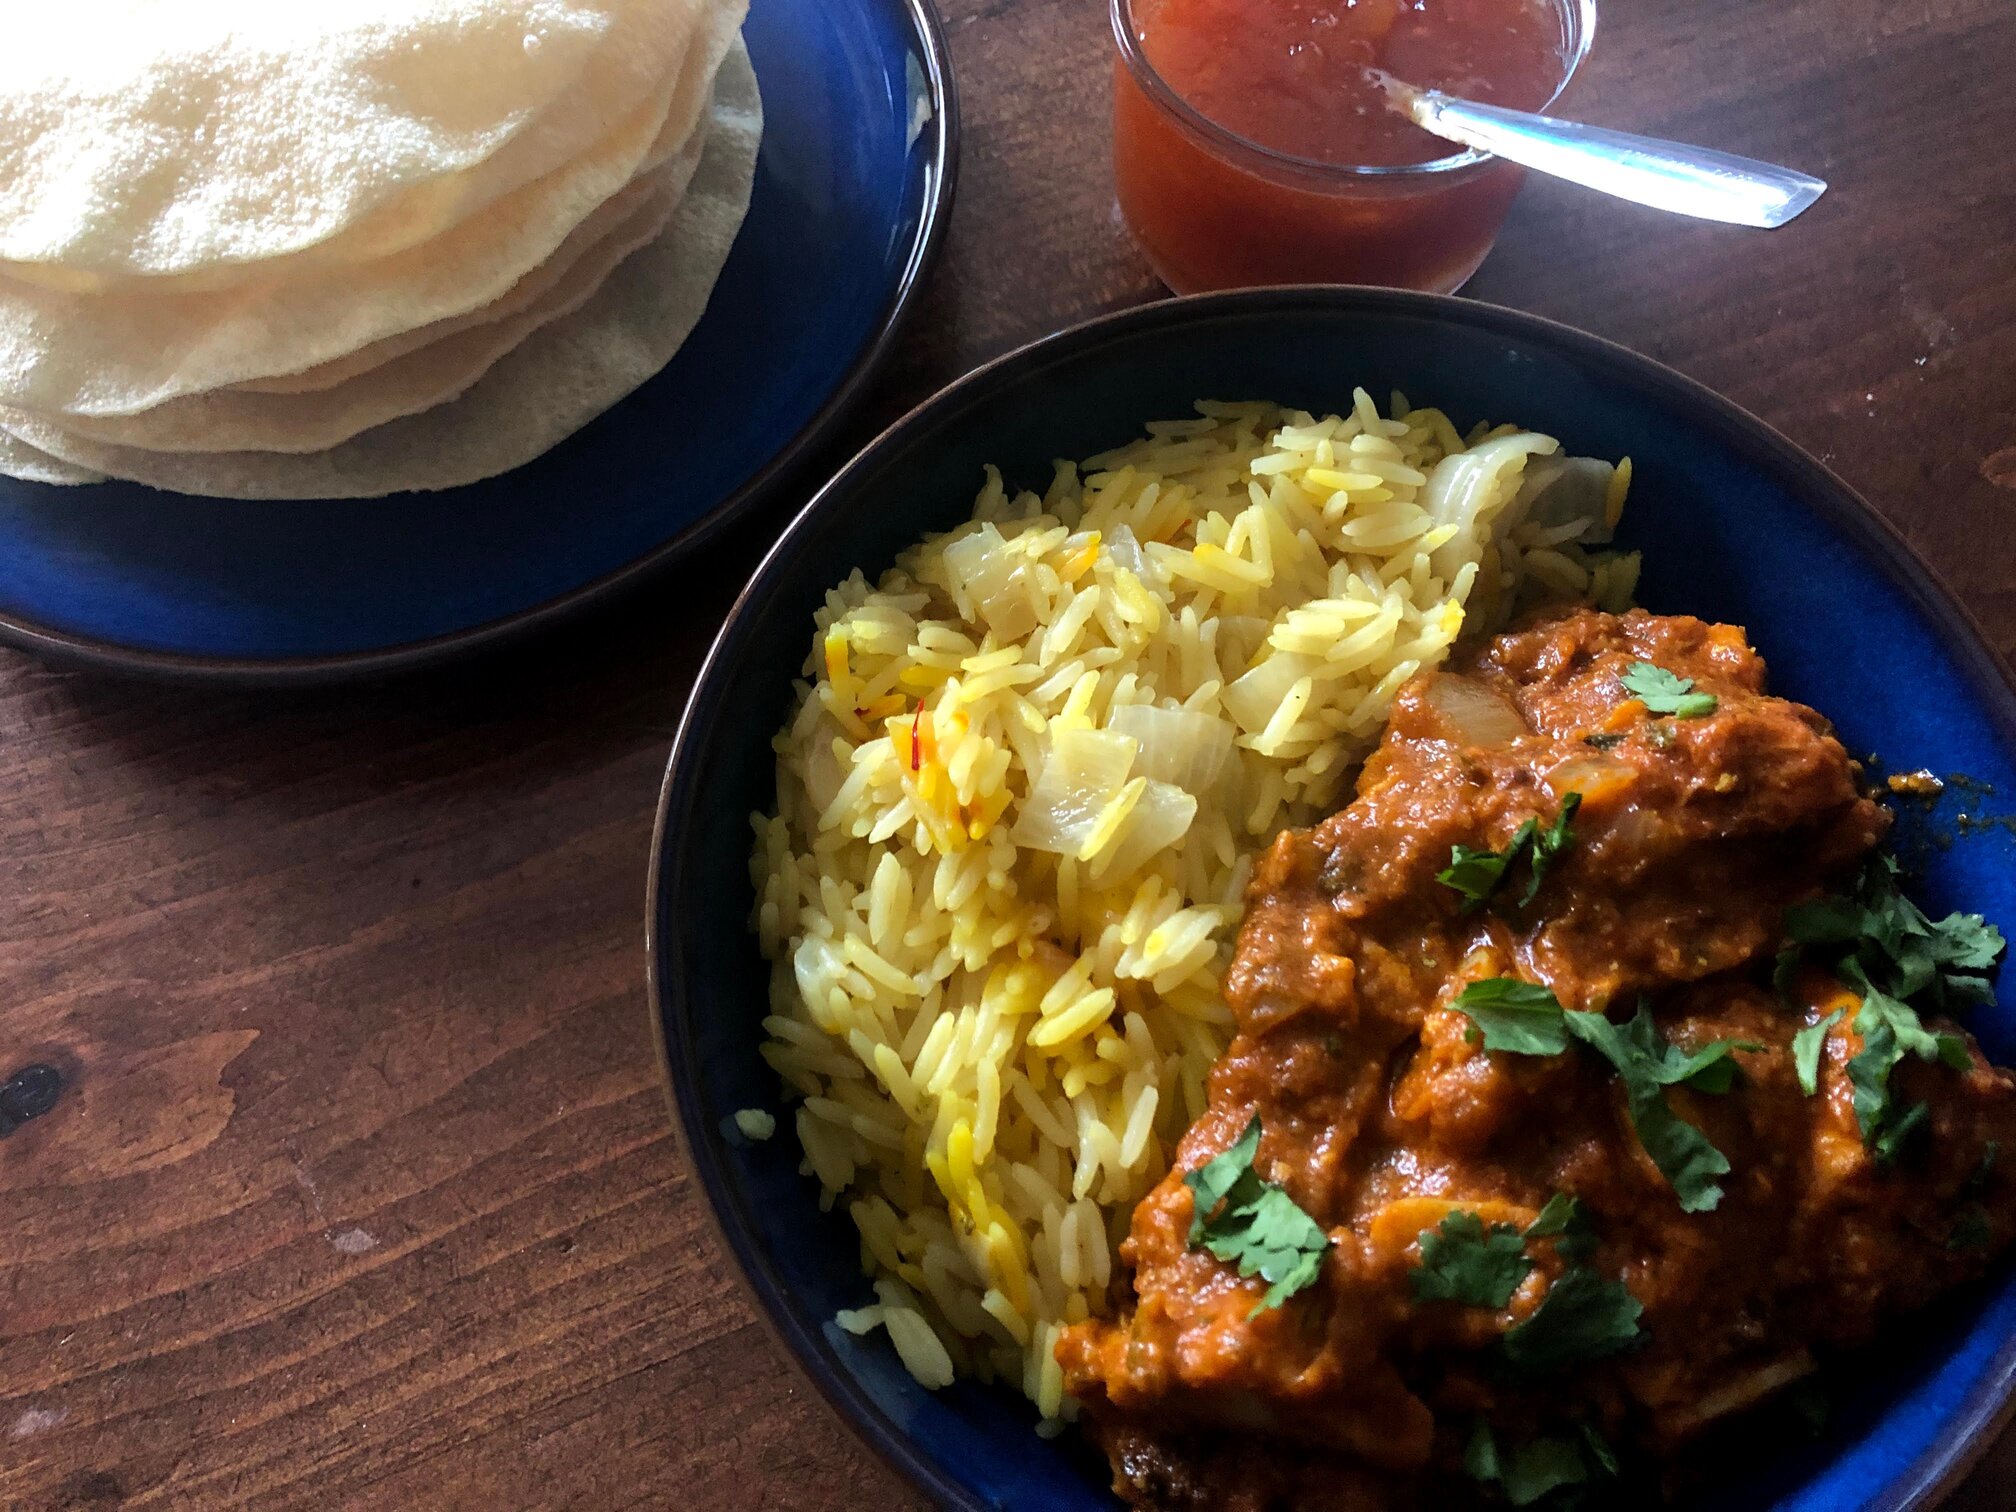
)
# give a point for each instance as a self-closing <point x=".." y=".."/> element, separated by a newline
<point x="1292" y="77"/>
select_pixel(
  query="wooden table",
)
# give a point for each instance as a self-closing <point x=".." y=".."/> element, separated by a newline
<point x="359" y="1189"/>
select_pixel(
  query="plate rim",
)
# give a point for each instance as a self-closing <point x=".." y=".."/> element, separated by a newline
<point x="940" y="140"/>
<point x="1972" y="1427"/>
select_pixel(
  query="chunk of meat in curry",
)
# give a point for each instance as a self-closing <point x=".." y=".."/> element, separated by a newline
<point x="1382" y="1115"/>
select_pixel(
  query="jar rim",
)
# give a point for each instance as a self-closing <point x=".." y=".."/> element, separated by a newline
<point x="1578" y="28"/>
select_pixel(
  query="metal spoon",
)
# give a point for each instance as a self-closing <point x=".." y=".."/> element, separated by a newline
<point x="1695" y="181"/>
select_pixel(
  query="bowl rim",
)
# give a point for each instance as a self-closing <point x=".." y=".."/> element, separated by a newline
<point x="939" y="164"/>
<point x="1970" y="1429"/>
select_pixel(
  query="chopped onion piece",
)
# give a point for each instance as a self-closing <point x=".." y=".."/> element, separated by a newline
<point x="1595" y="777"/>
<point x="824" y="770"/>
<point x="1252" y="699"/>
<point x="986" y="570"/>
<point x="1471" y="714"/>
<point x="1180" y="746"/>
<point x="1561" y="491"/>
<point x="1084" y="772"/>
<point x="1468" y="490"/>
<point x="1126" y="551"/>
<point x="1161" y="817"/>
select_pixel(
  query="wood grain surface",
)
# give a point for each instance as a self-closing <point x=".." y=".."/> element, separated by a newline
<point x="358" y="1189"/>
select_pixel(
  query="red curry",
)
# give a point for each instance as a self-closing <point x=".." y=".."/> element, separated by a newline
<point x="1382" y="1111"/>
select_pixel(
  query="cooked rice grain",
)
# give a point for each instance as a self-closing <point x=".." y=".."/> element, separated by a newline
<point x="1018" y="799"/>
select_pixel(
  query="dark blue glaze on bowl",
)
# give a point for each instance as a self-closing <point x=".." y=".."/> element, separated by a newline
<point x="853" y="186"/>
<point x="1736" y="524"/>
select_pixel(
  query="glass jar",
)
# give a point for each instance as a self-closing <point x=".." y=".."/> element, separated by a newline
<point x="1213" y="210"/>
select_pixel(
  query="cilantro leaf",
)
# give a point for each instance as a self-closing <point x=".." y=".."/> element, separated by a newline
<point x="1462" y="1261"/>
<point x="1972" y="1230"/>
<point x="1211" y="1183"/>
<point x="1478" y="873"/>
<point x="1890" y="1030"/>
<point x="1977" y="1179"/>
<point x="1524" y="1018"/>
<point x="1647" y="1065"/>
<point x="1508" y="1014"/>
<point x="1481" y="1460"/>
<point x="1563" y="1221"/>
<point x="1549" y="843"/>
<point x="1538" y="1467"/>
<point x="1664" y="692"/>
<point x="1896" y="1133"/>
<point x="1952" y="1051"/>
<point x="1583" y="1317"/>
<point x="1966" y="942"/>
<point x="1599" y="1450"/>
<point x="1685" y="1156"/>
<point x="1824" y="921"/>
<point x="1807" y="1047"/>
<point x="1254" y="1224"/>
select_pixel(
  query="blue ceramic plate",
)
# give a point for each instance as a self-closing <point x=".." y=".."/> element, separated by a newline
<point x="857" y="159"/>
<point x="1736" y="524"/>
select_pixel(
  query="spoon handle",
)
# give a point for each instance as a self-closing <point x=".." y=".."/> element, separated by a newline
<point x="1665" y="175"/>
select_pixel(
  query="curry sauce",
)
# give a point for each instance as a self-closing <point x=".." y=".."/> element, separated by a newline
<point x="1605" y="825"/>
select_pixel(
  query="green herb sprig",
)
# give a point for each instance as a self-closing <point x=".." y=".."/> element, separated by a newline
<point x="1664" y="692"/>
<point x="1899" y="961"/>
<point x="1524" y="1018"/>
<point x="1254" y="1224"/>
<point x="1535" y="1468"/>
<point x="1478" y="874"/>
<point x="1583" y="1317"/>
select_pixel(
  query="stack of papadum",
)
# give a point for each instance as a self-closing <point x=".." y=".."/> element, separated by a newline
<point x="340" y="248"/>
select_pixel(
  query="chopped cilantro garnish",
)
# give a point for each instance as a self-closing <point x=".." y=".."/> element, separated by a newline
<point x="1480" y="1455"/>
<point x="1664" y="692"/>
<point x="1563" y="1221"/>
<point x="1648" y="1065"/>
<point x="1599" y="1450"/>
<point x="1977" y="1180"/>
<point x="1899" y="962"/>
<point x="1532" y="1470"/>
<point x="1254" y="1224"/>
<point x="1583" y="1317"/>
<point x="1524" y="1018"/>
<point x="1971" y="1230"/>
<point x="1477" y="874"/>
<point x="1549" y="843"/>
<point x="1507" y="1014"/>
<point x="1462" y="1261"/>
<point x="1541" y="1465"/>
<point x="1211" y="1183"/>
<point x="1896" y="1133"/>
<point x="1807" y="1046"/>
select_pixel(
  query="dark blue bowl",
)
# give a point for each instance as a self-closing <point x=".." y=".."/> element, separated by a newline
<point x="1736" y="524"/>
